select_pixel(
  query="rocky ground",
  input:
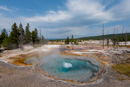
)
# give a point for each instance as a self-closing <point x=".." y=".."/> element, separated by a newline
<point x="121" y="58"/>
<point x="14" y="76"/>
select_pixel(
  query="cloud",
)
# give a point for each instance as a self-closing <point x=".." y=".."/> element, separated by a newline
<point x="52" y="17"/>
<point x="66" y="31"/>
<point x="4" y="8"/>
<point x="7" y="22"/>
<point x="121" y="11"/>
<point x="77" y="19"/>
<point x="78" y="13"/>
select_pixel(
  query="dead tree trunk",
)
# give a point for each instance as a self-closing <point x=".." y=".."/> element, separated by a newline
<point x="117" y="40"/>
<point x="126" y="39"/>
<point x="21" y="36"/>
<point x="114" y="40"/>
<point x="103" y="36"/>
<point x="122" y="35"/>
<point x="108" y="39"/>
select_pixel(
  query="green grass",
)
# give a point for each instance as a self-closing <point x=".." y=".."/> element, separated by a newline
<point x="122" y="68"/>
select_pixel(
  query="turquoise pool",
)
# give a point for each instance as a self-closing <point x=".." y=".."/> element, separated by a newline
<point x="67" y="68"/>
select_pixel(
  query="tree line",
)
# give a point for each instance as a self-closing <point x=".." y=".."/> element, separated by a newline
<point x="18" y="37"/>
<point x="70" y="41"/>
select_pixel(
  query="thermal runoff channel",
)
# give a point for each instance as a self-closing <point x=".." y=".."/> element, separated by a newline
<point x="69" y="69"/>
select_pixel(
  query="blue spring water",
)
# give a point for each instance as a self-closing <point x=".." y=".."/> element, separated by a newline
<point x="71" y="69"/>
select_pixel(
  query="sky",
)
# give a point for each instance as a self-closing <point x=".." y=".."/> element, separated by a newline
<point x="62" y="18"/>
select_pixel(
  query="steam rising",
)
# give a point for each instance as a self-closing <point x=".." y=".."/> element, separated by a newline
<point x="67" y="65"/>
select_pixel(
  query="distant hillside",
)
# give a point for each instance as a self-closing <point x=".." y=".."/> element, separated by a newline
<point x="109" y="36"/>
<point x="53" y="39"/>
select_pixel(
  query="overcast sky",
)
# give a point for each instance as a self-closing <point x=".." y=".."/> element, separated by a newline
<point x="62" y="18"/>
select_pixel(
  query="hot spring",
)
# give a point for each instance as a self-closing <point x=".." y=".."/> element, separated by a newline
<point x="67" y="67"/>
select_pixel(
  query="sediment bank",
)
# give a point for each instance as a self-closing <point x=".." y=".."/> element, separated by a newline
<point x="26" y="76"/>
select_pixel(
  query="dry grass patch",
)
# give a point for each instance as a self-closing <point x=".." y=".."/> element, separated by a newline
<point x="122" y="68"/>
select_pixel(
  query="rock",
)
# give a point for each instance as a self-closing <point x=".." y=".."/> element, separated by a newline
<point x="121" y="58"/>
<point x="128" y="51"/>
<point x="2" y="50"/>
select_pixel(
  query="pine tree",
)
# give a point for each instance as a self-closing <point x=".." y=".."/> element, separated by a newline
<point x="21" y="38"/>
<point x="43" y="40"/>
<point x="6" y="44"/>
<point x="72" y="39"/>
<point x="67" y="40"/>
<point x="75" y="42"/>
<point x="3" y="35"/>
<point x="27" y="34"/>
<point x="35" y="36"/>
<point x="14" y="35"/>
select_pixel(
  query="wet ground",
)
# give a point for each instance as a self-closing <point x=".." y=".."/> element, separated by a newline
<point x="15" y="76"/>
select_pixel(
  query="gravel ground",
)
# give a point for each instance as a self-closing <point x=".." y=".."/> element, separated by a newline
<point x="121" y="58"/>
<point x="13" y="76"/>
